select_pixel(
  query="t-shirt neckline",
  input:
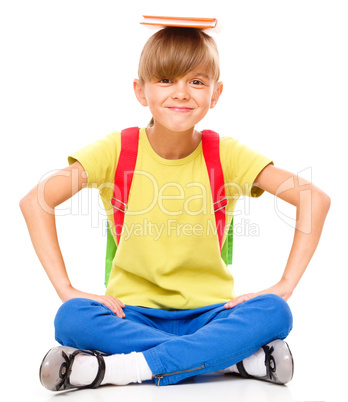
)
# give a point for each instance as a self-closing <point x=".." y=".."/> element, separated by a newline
<point x="163" y="161"/>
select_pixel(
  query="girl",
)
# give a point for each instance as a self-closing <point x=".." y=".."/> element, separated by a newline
<point x="170" y="311"/>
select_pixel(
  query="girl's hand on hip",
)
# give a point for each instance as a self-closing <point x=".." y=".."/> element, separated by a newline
<point x="115" y="305"/>
<point x="283" y="289"/>
<point x="240" y="299"/>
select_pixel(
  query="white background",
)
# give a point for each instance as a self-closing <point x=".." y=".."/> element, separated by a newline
<point x="66" y="80"/>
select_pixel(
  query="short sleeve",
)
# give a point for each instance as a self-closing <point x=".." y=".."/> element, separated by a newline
<point x="99" y="160"/>
<point x="241" y="165"/>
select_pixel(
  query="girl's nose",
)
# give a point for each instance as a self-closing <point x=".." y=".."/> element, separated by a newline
<point x="180" y="91"/>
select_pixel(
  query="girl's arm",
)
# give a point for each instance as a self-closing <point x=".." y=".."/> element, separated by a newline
<point x="38" y="210"/>
<point x="312" y="206"/>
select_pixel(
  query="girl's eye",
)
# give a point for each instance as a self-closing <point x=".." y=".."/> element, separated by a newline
<point x="165" y="81"/>
<point x="197" y="82"/>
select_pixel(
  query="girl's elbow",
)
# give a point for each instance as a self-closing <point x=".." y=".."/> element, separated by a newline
<point x="27" y="202"/>
<point x="327" y="202"/>
<point x="323" y="200"/>
<point x="24" y="204"/>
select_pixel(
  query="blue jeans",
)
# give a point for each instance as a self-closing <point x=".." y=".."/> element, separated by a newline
<point x="176" y="344"/>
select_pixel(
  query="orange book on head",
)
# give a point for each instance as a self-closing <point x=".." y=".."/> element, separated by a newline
<point x="184" y="22"/>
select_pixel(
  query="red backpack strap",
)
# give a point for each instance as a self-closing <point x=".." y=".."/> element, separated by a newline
<point x="124" y="176"/>
<point x="211" y="152"/>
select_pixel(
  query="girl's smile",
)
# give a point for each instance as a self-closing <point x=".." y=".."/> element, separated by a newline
<point x="180" y="109"/>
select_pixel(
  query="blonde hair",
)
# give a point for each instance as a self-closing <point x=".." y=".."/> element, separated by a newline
<point x="172" y="52"/>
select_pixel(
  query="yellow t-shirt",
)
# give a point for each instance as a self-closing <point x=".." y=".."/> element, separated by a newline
<point x="169" y="256"/>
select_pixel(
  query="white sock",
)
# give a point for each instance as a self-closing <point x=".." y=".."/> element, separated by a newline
<point x="254" y="365"/>
<point x="120" y="369"/>
<point x="124" y="369"/>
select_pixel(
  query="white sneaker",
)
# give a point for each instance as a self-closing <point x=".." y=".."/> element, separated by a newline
<point x="278" y="361"/>
<point x="56" y="368"/>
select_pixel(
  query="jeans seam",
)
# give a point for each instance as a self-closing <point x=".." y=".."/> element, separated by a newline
<point x="153" y="361"/>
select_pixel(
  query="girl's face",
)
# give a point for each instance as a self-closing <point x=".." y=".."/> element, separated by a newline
<point x="180" y="104"/>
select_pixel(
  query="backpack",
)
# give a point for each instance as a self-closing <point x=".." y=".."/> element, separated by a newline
<point x="122" y="184"/>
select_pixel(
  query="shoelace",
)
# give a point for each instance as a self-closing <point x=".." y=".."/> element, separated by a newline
<point x="65" y="370"/>
<point x="269" y="362"/>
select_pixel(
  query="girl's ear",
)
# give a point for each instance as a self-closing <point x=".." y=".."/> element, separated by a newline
<point x="216" y="94"/>
<point x="139" y="92"/>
